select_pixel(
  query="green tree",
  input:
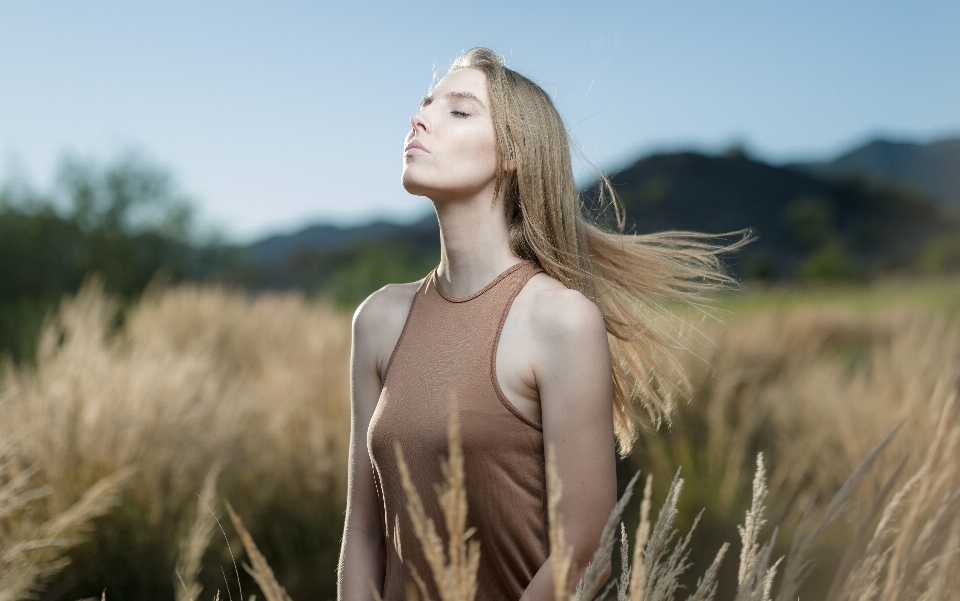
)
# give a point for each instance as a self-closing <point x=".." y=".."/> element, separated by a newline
<point x="125" y="221"/>
<point x="811" y="220"/>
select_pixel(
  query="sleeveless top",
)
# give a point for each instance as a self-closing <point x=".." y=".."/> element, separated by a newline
<point x="449" y="346"/>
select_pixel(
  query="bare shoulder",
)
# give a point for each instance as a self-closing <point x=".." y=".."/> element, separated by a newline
<point x="379" y="320"/>
<point x="568" y="346"/>
<point x="555" y="314"/>
<point x="385" y="306"/>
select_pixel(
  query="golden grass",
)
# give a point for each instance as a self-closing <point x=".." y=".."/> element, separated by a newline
<point x="30" y="552"/>
<point x="201" y="392"/>
<point x="194" y="544"/>
<point x="195" y="377"/>
<point x="260" y="570"/>
<point x="814" y="388"/>
<point x="930" y="294"/>
<point x="919" y="560"/>
<point x="453" y="571"/>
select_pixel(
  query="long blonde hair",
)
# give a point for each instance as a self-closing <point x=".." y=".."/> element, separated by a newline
<point x="633" y="279"/>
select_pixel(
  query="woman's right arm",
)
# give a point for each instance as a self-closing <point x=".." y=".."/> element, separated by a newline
<point x="362" y="551"/>
<point x="377" y="325"/>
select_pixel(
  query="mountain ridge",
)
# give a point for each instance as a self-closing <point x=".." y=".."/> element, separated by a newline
<point x="850" y="217"/>
<point x="932" y="168"/>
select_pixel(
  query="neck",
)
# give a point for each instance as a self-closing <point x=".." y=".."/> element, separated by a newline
<point x="474" y="244"/>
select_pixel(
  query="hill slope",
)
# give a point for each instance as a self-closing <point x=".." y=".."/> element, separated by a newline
<point x="344" y="263"/>
<point x="277" y="249"/>
<point x="933" y="169"/>
<point x="808" y="226"/>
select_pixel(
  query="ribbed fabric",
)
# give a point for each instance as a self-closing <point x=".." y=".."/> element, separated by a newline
<point x="448" y="346"/>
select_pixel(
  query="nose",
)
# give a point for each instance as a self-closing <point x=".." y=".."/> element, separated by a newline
<point x="418" y="122"/>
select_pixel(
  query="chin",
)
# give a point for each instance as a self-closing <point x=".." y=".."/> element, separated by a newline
<point x="412" y="186"/>
<point x="416" y="190"/>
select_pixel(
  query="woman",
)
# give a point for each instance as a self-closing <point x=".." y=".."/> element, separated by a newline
<point x="518" y="322"/>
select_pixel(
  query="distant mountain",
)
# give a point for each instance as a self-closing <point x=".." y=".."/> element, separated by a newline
<point x="279" y="248"/>
<point x="932" y="169"/>
<point x="346" y="264"/>
<point x="809" y="224"/>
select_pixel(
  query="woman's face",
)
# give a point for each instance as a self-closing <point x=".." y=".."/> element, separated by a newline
<point x="450" y="151"/>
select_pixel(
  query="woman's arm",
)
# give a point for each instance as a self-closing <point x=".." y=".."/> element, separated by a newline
<point x="362" y="551"/>
<point x="575" y="382"/>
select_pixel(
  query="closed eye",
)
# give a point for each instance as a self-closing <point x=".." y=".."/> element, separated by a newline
<point x="459" y="114"/>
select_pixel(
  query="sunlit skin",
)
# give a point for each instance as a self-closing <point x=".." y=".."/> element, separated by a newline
<point x="553" y="360"/>
<point x="453" y="125"/>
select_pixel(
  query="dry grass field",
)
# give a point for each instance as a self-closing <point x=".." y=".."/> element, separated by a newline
<point x="193" y="381"/>
<point x="134" y="427"/>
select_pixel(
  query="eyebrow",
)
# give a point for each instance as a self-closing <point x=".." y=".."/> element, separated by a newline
<point x="460" y="95"/>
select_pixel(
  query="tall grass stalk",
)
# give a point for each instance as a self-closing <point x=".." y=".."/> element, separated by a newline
<point x="30" y="552"/>
<point x="194" y="544"/>
<point x="259" y="568"/>
<point x="454" y="566"/>
<point x="756" y="575"/>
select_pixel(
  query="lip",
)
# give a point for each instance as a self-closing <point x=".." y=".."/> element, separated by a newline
<point x="414" y="147"/>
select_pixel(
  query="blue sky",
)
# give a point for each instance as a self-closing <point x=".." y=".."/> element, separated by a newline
<point x="275" y="113"/>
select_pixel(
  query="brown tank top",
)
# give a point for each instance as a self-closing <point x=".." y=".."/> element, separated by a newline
<point x="449" y="345"/>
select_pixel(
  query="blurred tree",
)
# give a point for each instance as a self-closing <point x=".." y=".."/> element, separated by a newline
<point x="125" y="221"/>
<point x="128" y="197"/>
<point x="759" y="265"/>
<point x="830" y="263"/>
<point x="942" y="256"/>
<point x="811" y="220"/>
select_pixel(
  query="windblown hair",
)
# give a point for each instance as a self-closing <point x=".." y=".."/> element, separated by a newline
<point x="633" y="279"/>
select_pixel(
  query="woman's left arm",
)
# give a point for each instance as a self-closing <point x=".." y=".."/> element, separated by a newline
<point x="574" y="379"/>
